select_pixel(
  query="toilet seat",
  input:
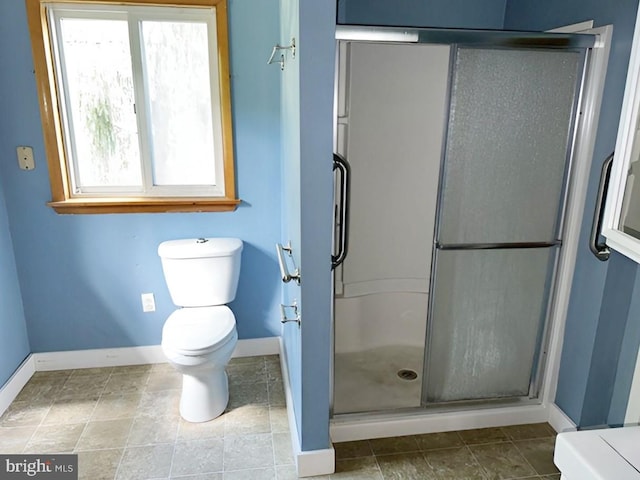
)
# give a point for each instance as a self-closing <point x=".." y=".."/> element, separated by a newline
<point x="198" y="330"/>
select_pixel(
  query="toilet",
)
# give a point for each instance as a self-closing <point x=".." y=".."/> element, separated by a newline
<point x="199" y="337"/>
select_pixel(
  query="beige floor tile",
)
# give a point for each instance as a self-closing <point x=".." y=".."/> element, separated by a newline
<point x="201" y="431"/>
<point x="483" y="435"/>
<point x="50" y="375"/>
<point x="279" y="419"/>
<point x="539" y="453"/>
<point x="162" y="367"/>
<point x="73" y="410"/>
<point x="98" y="464"/>
<point x="163" y="402"/>
<point x="502" y="460"/>
<point x="247" y="372"/>
<point x="14" y="439"/>
<point x="197" y="457"/>
<point x="83" y="386"/>
<point x="405" y="466"/>
<point x="145" y="462"/>
<point x="274" y="372"/>
<point x="254" y="474"/>
<point x="126" y="383"/>
<point x="153" y="430"/>
<point x="132" y="369"/>
<point x="164" y="380"/>
<point x="454" y="464"/>
<point x="91" y="371"/>
<point x="282" y="449"/>
<point x="385" y="446"/>
<point x="204" y="476"/>
<point x="23" y="413"/>
<point x="249" y="440"/>
<point x="276" y="394"/>
<point x="432" y="441"/>
<point x="287" y="472"/>
<point x="248" y="394"/>
<point x="248" y="451"/>
<point x="42" y="386"/>
<point x="357" y="449"/>
<point x="249" y="419"/>
<point x="528" y="432"/>
<point x="105" y="434"/>
<point x="257" y="360"/>
<point x="116" y="406"/>
<point x="357" y="469"/>
<point x="55" y="438"/>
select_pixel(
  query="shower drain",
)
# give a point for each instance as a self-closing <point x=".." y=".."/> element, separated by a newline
<point x="406" y="374"/>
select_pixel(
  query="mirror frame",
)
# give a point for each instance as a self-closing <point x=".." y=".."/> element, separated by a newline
<point x="627" y="131"/>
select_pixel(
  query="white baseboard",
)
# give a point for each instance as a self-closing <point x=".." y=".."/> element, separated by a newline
<point x="414" y="424"/>
<point x="12" y="387"/>
<point x="559" y="420"/>
<point x="309" y="463"/>
<point x="100" y="357"/>
<point x="115" y="357"/>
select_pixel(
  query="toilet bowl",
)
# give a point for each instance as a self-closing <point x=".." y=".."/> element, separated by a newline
<point x="199" y="338"/>
<point x="198" y="342"/>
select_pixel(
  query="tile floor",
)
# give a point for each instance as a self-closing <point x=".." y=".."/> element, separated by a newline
<point x="517" y="452"/>
<point x="123" y="423"/>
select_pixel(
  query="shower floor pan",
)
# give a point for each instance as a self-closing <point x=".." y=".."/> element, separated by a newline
<point x="376" y="379"/>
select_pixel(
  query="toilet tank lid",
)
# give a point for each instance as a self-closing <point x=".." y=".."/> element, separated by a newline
<point x="200" y="247"/>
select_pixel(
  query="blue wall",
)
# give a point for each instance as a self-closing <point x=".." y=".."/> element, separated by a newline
<point x="82" y="275"/>
<point x="601" y="336"/>
<point x="290" y="136"/>
<point x="421" y="13"/>
<point x="14" y="345"/>
<point x="307" y="116"/>
<point x="317" y="61"/>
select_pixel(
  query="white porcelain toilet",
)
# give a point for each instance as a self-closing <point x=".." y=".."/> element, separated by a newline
<point x="199" y="338"/>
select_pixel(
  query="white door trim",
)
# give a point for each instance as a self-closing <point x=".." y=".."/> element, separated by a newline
<point x="582" y="160"/>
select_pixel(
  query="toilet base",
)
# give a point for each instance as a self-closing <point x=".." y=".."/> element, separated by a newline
<point x="204" y="396"/>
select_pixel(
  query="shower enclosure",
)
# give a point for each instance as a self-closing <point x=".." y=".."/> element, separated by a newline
<point x="460" y="148"/>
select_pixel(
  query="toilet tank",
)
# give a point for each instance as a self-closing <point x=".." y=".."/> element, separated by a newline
<point x="201" y="271"/>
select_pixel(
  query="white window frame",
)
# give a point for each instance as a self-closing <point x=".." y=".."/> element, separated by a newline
<point x="628" y="135"/>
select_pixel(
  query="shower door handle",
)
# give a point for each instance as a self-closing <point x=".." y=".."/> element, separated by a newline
<point x="342" y="170"/>
<point x="598" y="248"/>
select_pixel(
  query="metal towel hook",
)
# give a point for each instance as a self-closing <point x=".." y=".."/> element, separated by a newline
<point x="278" y="48"/>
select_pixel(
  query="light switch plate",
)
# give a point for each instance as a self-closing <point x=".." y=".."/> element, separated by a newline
<point x="25" y="158"/>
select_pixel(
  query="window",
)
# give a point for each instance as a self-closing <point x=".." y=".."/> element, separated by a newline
<point x="135" y="104"/>
<point x="621" y="222"/>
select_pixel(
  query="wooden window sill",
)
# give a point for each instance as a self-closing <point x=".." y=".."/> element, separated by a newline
<point x="144" y="205"/>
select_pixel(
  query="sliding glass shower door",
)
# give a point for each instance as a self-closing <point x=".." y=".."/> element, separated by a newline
<point x="499" y="225"/>
<point x="460" y="165"/>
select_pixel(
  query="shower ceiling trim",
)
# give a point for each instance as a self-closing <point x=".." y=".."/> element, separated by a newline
<point x="493" y="38"/>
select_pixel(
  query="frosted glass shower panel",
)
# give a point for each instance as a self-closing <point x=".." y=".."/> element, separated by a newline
<point x="509" y="134"/>
<point x="489" y="307"/>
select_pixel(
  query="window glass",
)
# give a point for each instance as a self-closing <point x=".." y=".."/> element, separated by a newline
<point x="102" y="133"/>
<point x="179" y="96"/>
